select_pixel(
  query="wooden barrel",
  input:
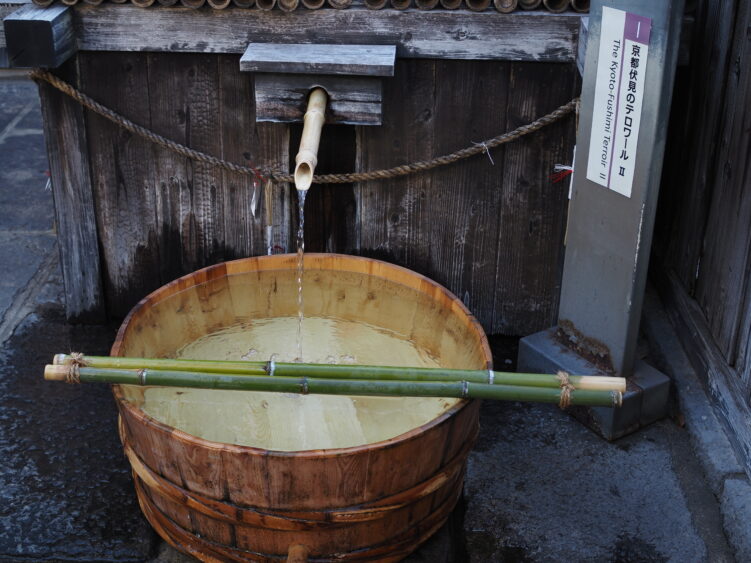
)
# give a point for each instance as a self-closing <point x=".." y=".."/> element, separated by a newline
<point x="229" y="502"/>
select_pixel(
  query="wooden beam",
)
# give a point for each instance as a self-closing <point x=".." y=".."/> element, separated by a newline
<point x="353" y="100"/>
<point x="39" y="37"/>
<point x="360" y="60"/>
<point x="78" y="241"/>
<point x="7" y="7"/>
<point x="522" y="36"/>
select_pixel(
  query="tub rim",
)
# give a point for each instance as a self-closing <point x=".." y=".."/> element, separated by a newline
<point x="232" y="267"/>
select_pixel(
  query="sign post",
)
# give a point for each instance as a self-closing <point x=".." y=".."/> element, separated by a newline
<point x="632" y="54"/>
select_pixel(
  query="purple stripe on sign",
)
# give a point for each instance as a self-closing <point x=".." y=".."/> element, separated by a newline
<point x="637" y="28"/>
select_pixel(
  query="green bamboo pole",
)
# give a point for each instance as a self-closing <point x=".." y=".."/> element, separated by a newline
<point x="458" y="389"/>
<point x="339" y="371"/>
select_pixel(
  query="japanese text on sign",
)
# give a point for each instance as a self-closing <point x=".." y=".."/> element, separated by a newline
<point x="619" y="92"/>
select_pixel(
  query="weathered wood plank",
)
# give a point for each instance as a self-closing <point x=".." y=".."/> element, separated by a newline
<point x="697" y="112"/>
<point x="364" y="60"/>
<point x="255" y="144"/>
<point x="533" y="210"/>
<point x="491" y="234"/>
<point x="39" y="37"/>
<point x="121" y="176"/>
<point x="390" y="211"/>
<point x="353" y="100"/>
<point x="720" y="380"/>
<point x="7" y="7"/>
<point x="522" y="36"/>
<point x="466" y="199"/>
<point x="168" y="116"/>
<point x="331" y="209"/>
<point x="725" y="266"/>
<point x="65" y="134"/>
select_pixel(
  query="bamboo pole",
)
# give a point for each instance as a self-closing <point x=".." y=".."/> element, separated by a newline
<point x="307" y="156"/>
<point x="451" y="4"/>
<point x="505" y="6"/>
<point x="478" y="5"/>
<point x="376" y="4"/>
<point x="580" y="5"/>
<point x="244" y="3"/>
<point x="142" y="3"/>
<point x="426" y="4"/>
<point x="313" y="4"/>
<point x="288" y="5"/>
<point x="306" y="385"/>
<point x="339" y="371"/>
<point x="556" y="6"/>
<point x="43" y="3"/>
<point x="529" y="4"/>
<point x="266" y="4"/>
<point x="219" y="4"/>
<point x="167" y="2"/>
<point x="340" y="4"/>
<point x="195" y="4"/>
<point x="400" y="4"/>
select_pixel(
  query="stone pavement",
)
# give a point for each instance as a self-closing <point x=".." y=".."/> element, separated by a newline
<point x="539" y="487"/>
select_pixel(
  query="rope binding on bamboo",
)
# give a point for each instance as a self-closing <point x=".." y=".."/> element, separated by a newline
<point x="40" y="75"/>
<point x="567" y="388"/>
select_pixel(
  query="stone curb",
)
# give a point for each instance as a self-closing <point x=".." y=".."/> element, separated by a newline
<point x="724" y="473"/>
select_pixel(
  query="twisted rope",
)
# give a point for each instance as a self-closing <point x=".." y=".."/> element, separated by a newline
<point x="403" y="170"/>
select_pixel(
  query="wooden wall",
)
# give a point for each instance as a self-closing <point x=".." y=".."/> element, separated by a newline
<point x="703" y="239"/>
<point x="492" y="233"/>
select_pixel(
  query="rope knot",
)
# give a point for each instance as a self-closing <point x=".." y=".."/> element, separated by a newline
<point x="567" y="389"/>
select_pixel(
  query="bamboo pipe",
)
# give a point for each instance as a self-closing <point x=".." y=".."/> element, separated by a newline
<point x="244" y="3"/>
<point x="556" y="6"/>
<point x="43" y="3"/>
<point x="313" y="4"/>
<point x="219" y="4"/>
<point x="529" y="4"/>
<point x="195" y="4"/>
<point x="426" y="4"/>
<point x="580" y="5"/>
<point x="307" y="156"/>
<point x="338" y="371"/>
<point x="505" y="6"/>
<point x="288" y="5"/>
<point x="340" y="4"/>
<point x="167" y="2"/>
<point x="266" y="4"/>
<point x="400" y="4"/>
<point x="142" y="3"/>
<point x="478" y="5"/>
<point x="376" y="4"/>
<point x="93" y="2"/>
<point x="451" y="4"/>
<point x="70" y="2"/>
<point x="305" y="385"/>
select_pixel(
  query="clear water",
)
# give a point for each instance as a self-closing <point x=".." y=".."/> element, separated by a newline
<point x="291" y="422"/>
<point x="301" y="194"/>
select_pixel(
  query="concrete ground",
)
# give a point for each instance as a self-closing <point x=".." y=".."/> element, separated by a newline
<point x="539" y="486"/>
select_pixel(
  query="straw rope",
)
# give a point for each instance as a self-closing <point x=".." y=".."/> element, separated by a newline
<point x="279" y="177"/>
<point x="567" y="388"/>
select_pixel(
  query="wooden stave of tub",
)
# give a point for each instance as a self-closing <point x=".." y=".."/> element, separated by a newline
<point x="178" y="476"/>
<point x="502" y="6"/>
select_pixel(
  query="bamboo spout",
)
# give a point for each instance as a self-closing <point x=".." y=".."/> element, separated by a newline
<point x="307" y="156"/>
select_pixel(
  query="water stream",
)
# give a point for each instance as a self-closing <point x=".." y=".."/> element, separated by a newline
<point x="301" y="194"/>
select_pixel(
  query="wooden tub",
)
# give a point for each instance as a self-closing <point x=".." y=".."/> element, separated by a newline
<point x="228" y="502"/>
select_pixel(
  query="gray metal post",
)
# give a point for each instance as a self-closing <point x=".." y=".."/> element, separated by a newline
<point x="632" y="53"/>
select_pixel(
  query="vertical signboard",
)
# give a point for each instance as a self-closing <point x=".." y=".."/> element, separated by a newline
<point x="619" y="92"/>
